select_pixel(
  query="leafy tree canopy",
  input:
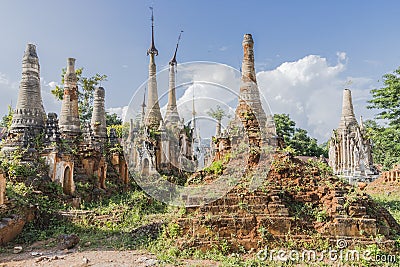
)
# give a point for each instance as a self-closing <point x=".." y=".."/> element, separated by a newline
<point x="385" y="144"/>
<point x="217" y="114"/>
<point x="297" y="140"/>
<point x="386" y="139"/>
<point x="7" y="119"/>
<point x="387" y="99"/>
<point x="113" y="119"/>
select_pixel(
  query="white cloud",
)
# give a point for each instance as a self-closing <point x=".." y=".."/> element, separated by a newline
<point x="310" y="90"/>
<point x="52" y="84"/>
<point x="3" y="79"/>
<point x="341" y="56"/>
<point x="50" y="103"/>
<point x="120" y="111"/>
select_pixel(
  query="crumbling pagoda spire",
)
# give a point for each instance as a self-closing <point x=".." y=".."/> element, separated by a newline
<point x="249" y="93"/>
<point x="194" y="118"/>
<point x="172" y="116"/>
<point x="69" y="122"/>
<point x="143" y="105"/>
<point x="153" y="114"/>
<point x="348" y="118"/>
<point x="29" y="112"/>
<point x="98" y="121"/>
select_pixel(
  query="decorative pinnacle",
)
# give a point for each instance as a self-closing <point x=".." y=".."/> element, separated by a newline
<point x="193" y="110"/>
<point x="144" y="98"/>
<point x="347" y="117"/>
<point x="173" y="60"/>
<point x="152" y="50"/>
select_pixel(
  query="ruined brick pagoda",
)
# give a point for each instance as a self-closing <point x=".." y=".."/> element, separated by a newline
<point x="29" y="116"/>
<point x="71" y="151"/>
<point x="292" y="199"/>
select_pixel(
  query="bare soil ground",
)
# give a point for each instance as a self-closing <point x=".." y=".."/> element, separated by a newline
<point x="75" y="258"/>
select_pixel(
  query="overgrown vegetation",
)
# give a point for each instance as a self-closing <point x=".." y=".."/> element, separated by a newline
<point x="15" y="168"/>
<point x="86" y="87"/>
<point x="296" y="140"/>
<point x="111" y="221"/>
<point x="385" y="138"/>
<point x="391" y="203"/>
<point x="216" y="167"/>
<point x="7" y="119"/>
<point x="385" y="144"/>
<point x="107" y="223"/>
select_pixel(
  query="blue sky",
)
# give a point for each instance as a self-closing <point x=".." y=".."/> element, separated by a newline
<point x="304" y="50"/>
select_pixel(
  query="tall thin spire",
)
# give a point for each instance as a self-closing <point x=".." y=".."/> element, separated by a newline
<point x="143" y="107"/>
<point x="172" y="116"/>
<point x="173" y="60"/>
<point x="361" y="123"/>
<point x="249" y="93"/>
<point x="248" y="71"/>
<point x="348" y="118"/>
<point x="193" y="112"/>
<point x="152" y="49"/>
<point x="153" y="114"/>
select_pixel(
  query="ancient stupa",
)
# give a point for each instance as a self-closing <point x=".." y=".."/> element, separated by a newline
<point x="69" y="122"/>
<point x="349" y="149"/>
<point x="153" y="113"/>
<point x="29" y="112"/>
<point x="249" y="92"/>
<point x="29" y="117"/>
<point x="98" y="121"/>
<point x="172" y="116"/>
<point x="293" y="199"/>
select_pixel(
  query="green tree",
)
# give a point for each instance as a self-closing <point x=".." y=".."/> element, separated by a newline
<point x="86" y="86"/>
<point x="306" y="145"/>
<point x="113" y="119"/>
<point x="285" y="127"/>
<point x="7" y="119"/>
<point x="387" y="99"/>
<point x="218" y="114"/>
<point x="386" y="139"/>
<point x="297" y="139"/>
<point x="385" y="144"/>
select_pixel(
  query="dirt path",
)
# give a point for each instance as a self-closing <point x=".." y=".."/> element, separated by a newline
<point x="98" y="258"/>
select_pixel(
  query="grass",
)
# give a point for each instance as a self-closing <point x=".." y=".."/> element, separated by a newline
<point x="124" y="212"/>
<point x="391" y="203"/>
<point x="133" y="208"/>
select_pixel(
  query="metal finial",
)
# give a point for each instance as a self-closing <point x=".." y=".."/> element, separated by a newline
<point x="152" y="49"/>
<point x="144" y="98"/>
<point x="173" y="60"/>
